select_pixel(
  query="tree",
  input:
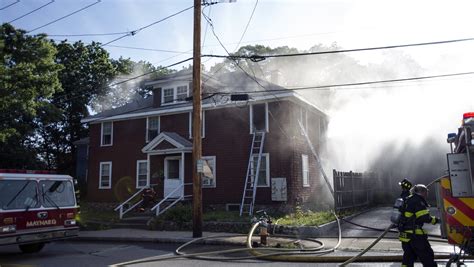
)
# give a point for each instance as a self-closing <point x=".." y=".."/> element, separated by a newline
<point x="29" y="77"/>
<point x="87" y="72"/>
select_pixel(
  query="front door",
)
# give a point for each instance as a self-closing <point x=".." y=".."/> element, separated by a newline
<point x="173" y="177"/>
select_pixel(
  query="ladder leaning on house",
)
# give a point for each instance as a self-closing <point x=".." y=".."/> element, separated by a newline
<point x="251" y="178"/>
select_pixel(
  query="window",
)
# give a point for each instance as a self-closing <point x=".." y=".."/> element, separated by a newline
<point x="18" y="194"/>
<point x="168" y="95"/>
<point x="105" y="175"/>
<point x="182" y="93"/>
<point x="152" y="128"/>
<point x="142" y="173"/>
<point x="259" y="117"/>
<point x="107" y="133"/>
<point x="203" y="124"/>
<point x="305" y="170"/>
<point x="209" y="175"/>
<point x="304" y="120"/>
<point x="264" y="172"/>
<point x="175" y="94"/>
<point x="172" y="168"/>
<point x="57" y="193"/>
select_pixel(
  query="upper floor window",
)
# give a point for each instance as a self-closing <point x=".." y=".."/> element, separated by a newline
<point x="170" y="95"/>
<point x="152" y="127"/>
<point x="181" y="93"/>
<point x="203" y="124"/>
<point x="106" y="133"/>
<point x="259" y="117"/>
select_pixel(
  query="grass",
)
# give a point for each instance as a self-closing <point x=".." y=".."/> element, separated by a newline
<point x="88" y="214"/>
<point x="183" y="213"/>
<point x="309" y="218"/>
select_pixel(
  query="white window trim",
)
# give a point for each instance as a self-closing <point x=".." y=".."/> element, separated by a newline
<point x="102" y="133"/>
<point x="203" y="125"/>
<point x="213" y="171"/>
<point x="147" y="176"/>
<point x="175" y="94"/>
<point x="267" y="169"/>
<point x="147" y="139"/>
<point x="110" y="174"/>
<point x="303" y="171"/>
<point x="266" y="117"/>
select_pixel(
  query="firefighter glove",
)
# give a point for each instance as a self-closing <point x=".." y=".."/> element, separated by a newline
<point x="434" y="220"/>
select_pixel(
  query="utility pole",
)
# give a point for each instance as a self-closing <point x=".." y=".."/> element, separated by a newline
<point x="197" y="146"/>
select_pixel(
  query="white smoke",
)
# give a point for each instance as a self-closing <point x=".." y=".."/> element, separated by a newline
<point x="363" y="121"/>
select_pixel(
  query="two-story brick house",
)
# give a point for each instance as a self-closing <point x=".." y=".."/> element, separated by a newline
<point x="150" y="140"/>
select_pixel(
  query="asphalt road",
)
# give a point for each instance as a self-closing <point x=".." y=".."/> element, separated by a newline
<point x="73" y="253"/>
<point x="78" y="253"/>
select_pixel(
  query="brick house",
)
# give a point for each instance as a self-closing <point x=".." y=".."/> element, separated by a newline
<point x="150" y="141"/>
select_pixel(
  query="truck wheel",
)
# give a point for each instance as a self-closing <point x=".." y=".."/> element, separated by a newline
<point x="31" y="248"/>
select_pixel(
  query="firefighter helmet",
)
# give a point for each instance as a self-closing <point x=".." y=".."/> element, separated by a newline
<point x="420" y="188"/>
<point x="405" y="184"/>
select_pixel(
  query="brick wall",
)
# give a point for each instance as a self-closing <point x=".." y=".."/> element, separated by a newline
<point x="228" y="138"/>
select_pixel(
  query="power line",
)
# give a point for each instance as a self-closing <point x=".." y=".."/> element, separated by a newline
<point x="132" y="33"/>
<point x="247" y="26"/>
<point x="207" y="25"/>
<point x="263" y="57"/>
<point x="7" y="6"/>
<point x="32" y="11"/>
<point x="150" y="49"/>
<point x="63" y="17"/>
<point x="87" y="34"/>
<point x="124" y="81"/>
<point x="327" y="87"/>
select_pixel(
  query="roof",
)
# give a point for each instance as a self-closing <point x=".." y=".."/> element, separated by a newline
<point x="227" y="83"/>
<point x="177" y="142"/>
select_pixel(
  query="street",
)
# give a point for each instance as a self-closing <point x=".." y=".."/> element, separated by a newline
<point x="74" y="253"/>
<point x="101" y="253"/>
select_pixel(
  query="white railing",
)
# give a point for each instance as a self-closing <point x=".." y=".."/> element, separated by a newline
<point x="170" y="197"/>
<point x="122" y="209"/>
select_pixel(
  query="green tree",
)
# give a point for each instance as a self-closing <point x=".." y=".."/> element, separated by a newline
<point x="86" y="74"/>
<point x="28" y="77"/>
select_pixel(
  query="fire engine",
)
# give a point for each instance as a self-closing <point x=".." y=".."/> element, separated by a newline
<point x="455" y="191"/>
<point x="36" y="207"/>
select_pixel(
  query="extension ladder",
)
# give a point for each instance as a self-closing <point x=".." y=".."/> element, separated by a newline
<point x="251" y="178"/>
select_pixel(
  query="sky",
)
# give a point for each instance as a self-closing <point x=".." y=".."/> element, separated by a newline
<point x="407" y="113"/>
<point x="295" y="23"/>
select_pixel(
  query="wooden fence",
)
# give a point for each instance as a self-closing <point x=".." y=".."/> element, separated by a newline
<point x="353" y="189"/>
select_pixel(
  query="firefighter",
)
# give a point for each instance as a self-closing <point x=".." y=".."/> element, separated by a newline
<point x="406" y="185"/>
<point x="414" y="239"/>
<point x="148" y="196"/>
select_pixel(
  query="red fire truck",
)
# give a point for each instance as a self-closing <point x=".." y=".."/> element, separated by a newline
<point x="36" y="207"/>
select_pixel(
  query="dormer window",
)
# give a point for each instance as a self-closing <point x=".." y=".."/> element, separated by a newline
<point x="172" y="95"/>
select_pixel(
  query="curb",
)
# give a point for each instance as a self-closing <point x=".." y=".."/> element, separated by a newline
<point x="325" y="230"/>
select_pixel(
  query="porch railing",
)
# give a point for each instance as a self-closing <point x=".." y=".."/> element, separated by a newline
<point x="169" y="198"/>
<point x="126" y="206"/>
